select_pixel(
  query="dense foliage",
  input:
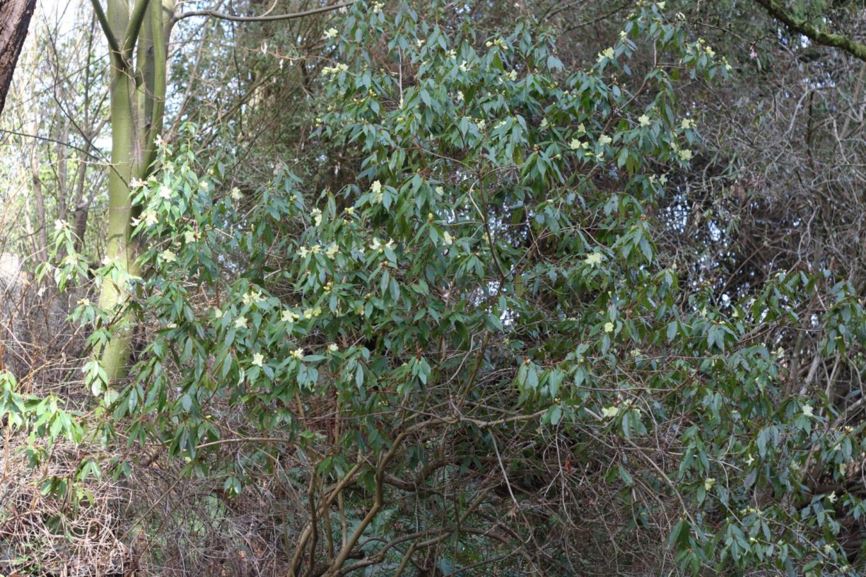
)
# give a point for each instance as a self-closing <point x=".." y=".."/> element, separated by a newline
<point x="460" y="324"/>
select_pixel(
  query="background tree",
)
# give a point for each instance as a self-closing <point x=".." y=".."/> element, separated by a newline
<point x="15" y="18"/>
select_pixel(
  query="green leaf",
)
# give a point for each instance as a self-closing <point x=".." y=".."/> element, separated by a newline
<point x="554" y="414"/>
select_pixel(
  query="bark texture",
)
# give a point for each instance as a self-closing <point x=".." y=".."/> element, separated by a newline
<point x="14" y="21"/>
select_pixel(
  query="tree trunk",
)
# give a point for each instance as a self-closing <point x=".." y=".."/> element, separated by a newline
<point x="14" y="21"/>
<point x="113" y="295"/>
<point x="137" y="105"/>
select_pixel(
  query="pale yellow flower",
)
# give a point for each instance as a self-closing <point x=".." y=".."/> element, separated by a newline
<point x="252" y="296"/>
<point x="593" y="259"/>
<point x="150" y="218"/>
<point x="607" y="53"/>
<point x="258" y="359"/>
<point x="336" y="69"/>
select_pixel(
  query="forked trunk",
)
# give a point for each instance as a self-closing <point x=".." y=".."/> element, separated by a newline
<point x="137" y="105"/>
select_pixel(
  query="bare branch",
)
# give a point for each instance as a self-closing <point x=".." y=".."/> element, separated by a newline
<point x="274" y="18"/>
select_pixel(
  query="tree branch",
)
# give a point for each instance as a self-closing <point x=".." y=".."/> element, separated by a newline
<point x="106" y="29"/>
<point x="275" y="17"/>
<point x="134" y="26"/>
<point x="777" y="11"/>
<point x="160" y="29"/>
